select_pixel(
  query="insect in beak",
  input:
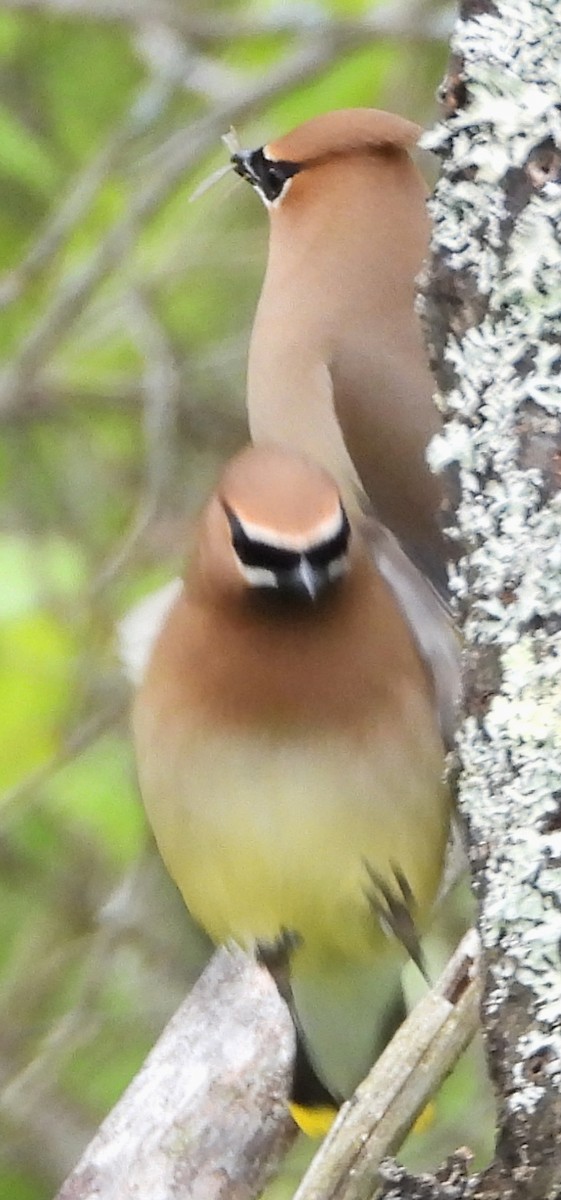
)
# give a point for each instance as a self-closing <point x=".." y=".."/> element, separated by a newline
<point x="232" y="144"/>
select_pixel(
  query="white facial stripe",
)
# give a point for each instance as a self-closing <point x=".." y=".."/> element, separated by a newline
<point x="337" y="568"/>
<point x="258" y="576"/>
<point x="293" y="541"/>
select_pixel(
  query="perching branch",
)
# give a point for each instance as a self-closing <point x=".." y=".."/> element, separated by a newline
<point x="210" y="1101"/>
<point x="411" y="1069"/>
<point x="206" y="1115"/>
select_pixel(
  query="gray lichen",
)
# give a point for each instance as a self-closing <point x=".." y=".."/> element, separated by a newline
<point x="497" y="248"/>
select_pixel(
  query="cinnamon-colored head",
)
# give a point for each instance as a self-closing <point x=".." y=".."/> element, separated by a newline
<point x="284" y="165"/>
<point x="275" y="523"/>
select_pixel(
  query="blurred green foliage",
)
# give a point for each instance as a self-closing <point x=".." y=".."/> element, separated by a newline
<point x="124" y="329"/>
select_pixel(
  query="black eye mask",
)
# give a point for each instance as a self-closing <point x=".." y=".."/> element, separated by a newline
<point x="253" y="553"/>
<point x="266" y="174"/>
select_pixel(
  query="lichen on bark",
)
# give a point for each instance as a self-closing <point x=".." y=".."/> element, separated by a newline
<point x="492" y="310"/>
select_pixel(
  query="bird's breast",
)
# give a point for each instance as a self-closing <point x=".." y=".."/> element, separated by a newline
<point x="270" y="832"/>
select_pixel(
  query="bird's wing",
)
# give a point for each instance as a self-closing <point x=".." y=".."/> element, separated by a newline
<point x="429" y="621"/>
<point x="139" y="628"/>
<point x="383" y="405"/>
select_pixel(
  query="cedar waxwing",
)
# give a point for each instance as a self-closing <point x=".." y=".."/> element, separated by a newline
<point x="291" y="762"/>
<point x="337" y="367"/>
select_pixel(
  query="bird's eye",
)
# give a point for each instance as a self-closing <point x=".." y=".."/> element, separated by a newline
<point x="264" y="556"/>
<point x="275" y="175"/>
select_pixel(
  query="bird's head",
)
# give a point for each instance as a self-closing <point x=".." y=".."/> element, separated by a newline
<point x="350" y="133"/>
<point x="274" y="526"/>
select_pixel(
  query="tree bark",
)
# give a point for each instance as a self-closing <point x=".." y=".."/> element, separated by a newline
<point x="492" y="310"/>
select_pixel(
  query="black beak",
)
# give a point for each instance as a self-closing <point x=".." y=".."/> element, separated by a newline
<point x="305" y="582"/>
<point x="241" y="162"/>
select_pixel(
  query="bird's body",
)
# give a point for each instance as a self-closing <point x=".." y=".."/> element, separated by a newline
<point x="337" y="367"/>
<point x="290" y="726"/>
<point x="285" y="750"/>
<point x="258" y="751"/>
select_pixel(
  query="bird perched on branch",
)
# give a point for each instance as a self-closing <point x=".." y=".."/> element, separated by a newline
<point x="291" y="761"/>
<point x="337" y="366"/>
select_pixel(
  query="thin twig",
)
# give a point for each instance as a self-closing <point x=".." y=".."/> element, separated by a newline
<point x="405" y="21"/>
<point x="42" y="1137"/>
<point x="200" y="425"/>
<point x="161" y="400"/>
<point x="178" y="155"/>
<point x="58" y="227"/>
<point x="73" y="1030"/>
<point x="79" y="739"/>
<point x="420" y="1056"/>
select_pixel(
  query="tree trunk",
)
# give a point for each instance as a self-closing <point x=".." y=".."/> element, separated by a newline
<point x="492" y="310"/>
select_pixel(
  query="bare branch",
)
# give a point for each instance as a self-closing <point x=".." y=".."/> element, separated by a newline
<point x="161" y="400"/>
<point x="85" y="734"/>
<point x="69" y="211"/>
<point x="200" y="425"/>
<point x="405" y="21"/>
<point x="181" y="153"/>
<point x="68" y="1033"/>
<point x="206" y="1115"/>
<point x="45" y="1134"/>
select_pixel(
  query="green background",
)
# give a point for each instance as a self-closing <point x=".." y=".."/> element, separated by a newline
<point x="125" y="319"/>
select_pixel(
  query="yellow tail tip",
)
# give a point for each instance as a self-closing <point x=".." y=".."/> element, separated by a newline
<point x="425" y="1119"/>
<point x="314" y="1122"/>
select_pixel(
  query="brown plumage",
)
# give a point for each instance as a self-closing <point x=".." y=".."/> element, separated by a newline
<point x="337" y="367"/>
<point x="289" y="751"/>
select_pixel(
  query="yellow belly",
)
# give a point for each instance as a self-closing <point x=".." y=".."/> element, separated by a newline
<point x="275" y="833"/>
